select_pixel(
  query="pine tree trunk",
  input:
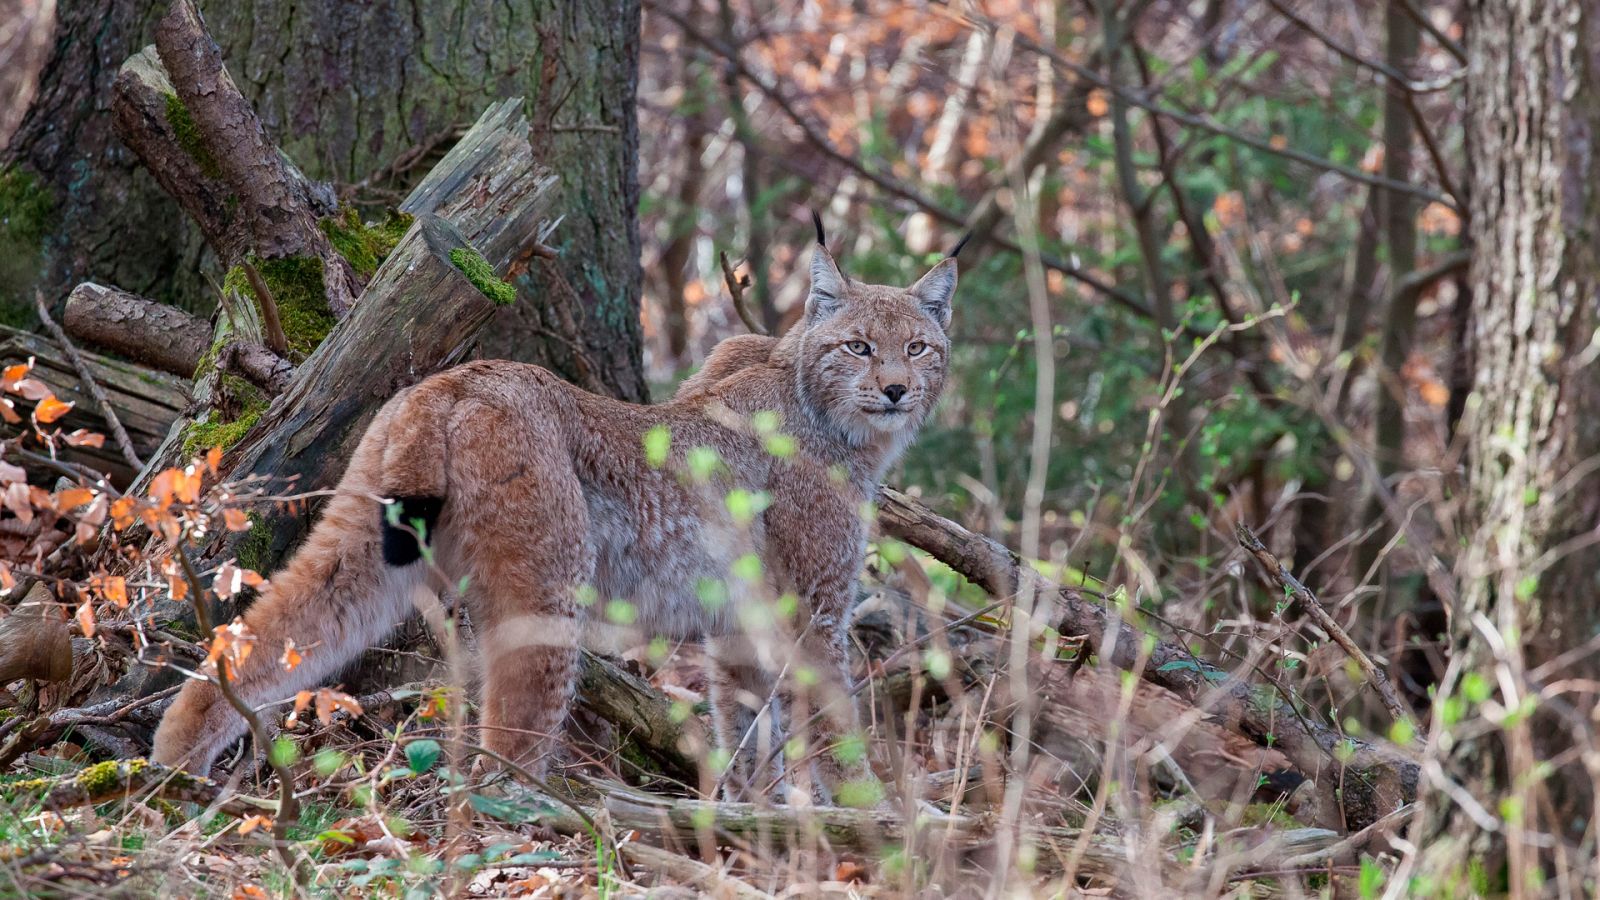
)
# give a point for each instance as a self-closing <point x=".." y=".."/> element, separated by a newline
<point x="1528" y="568"/>
<point x="346" y="89"/>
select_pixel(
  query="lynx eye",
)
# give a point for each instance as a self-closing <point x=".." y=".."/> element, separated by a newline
<point x="916" y="348"/>
<point x="859" y="348"/>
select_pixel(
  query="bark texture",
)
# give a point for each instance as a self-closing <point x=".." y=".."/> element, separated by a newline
<point x="102" y="202"/>
<point x="344" y="89"/>
<point x="146" y="332"/>
<point x="1529" y="568"/>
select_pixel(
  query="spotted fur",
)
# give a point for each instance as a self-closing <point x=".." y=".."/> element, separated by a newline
<point x="545" y="500"/>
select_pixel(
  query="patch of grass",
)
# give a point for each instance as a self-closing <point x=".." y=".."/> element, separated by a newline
<point x="365" y="246"/>
<point x="481" y="274"/>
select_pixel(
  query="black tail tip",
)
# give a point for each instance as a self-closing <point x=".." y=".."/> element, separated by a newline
<point x="415" y="518"/>
<point x="822" y="237"/>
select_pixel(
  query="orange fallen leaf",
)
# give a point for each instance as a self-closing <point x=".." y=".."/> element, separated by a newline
<point x="291" y="655"/>
<point x="73" y="497"/>
<point x="85" y="618"/>
<point x="50" y="409"/>
<point x="249" y="824"/>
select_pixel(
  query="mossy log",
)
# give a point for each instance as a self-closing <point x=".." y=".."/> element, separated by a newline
<point x="273" y="205"/>
<point x="146" y="401"/>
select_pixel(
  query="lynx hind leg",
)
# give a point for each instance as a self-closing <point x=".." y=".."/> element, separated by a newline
<point x="525" y="544"/>
<point x="743" y="710"/>
<point x="334" y="597"/>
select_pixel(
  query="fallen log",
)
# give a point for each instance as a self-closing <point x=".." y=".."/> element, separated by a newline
<point x="1357" y="781"/>
<point x="149" y="333"/>
<point x="146" y="401"/>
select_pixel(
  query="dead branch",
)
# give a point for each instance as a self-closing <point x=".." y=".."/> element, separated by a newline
<point x="86" y="378"/>
<point x="149" y="333"/>
<point x="736" y="287"/>
<point x="132" y="779"/>
<point x="288" y="811"/>
<point x="277" y="341"/>
<point x="1358" y="781"/>
<point x="690" y="871"/>
<point x="257" y="365"/>
<point x="1307" y="602"/>
<point x="272" y="202"/>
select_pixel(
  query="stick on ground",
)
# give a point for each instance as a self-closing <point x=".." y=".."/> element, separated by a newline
<point x="118" y="433"/>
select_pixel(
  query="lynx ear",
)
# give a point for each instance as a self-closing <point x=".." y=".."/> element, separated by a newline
<point x="827" y="285"/>
<point x="934" y="290"/>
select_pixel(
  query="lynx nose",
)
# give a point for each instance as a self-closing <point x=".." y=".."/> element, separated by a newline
<point x="894" y="392"/>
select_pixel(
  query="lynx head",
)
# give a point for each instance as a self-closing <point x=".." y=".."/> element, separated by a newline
<point x="872" y="359"/>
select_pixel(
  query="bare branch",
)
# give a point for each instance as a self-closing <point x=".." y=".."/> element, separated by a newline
<point x="118" y="433"/>
<point x="736" y="286"/>
<point x="1307" y="602"/>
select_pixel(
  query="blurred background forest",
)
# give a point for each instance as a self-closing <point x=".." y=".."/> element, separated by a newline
<point x="1222" y="271"/>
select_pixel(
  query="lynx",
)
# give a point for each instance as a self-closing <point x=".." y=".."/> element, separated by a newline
<point x="549" y="504"/>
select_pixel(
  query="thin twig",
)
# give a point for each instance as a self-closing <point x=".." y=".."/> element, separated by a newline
<point x="89" y="384"/>
<point x="816" y="138"/>
<point x="1310" y="605"/>
<point x="277" y="341"/>
<point x="736" y="286"/>
<point x="288" y="806"/>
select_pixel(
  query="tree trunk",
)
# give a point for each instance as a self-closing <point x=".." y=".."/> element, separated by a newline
<point x="100" y="201"/>
<point x="1399" y="219"/>
<point x="1529" y="567"/>
<point x="345" y="89"/>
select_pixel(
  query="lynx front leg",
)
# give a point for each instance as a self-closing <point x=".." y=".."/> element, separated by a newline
<point x="823" y="715"/>
<point x="742" y="701"/>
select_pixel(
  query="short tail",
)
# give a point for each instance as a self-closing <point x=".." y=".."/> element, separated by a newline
<point x="413" y="476"/>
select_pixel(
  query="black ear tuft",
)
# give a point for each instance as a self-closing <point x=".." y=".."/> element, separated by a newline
<point x="956" y="251"/>
<point x="401" y="544"/>
<point x="822" y="238"/>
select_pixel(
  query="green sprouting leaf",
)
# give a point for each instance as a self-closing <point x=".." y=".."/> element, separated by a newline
<point x="657" y="443"/>
<point x="422" y="755"/>
<point x="747" y="568"/>
<point x="745" y="505"/>
<point x="1371" y="879"/>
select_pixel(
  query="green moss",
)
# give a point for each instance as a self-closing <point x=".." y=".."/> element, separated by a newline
<point x="27" y="214"/>
<point x="199" y="437"/>
<point x="188" y="137"/>
<point x="1268" y="814"/>
<point x="365" y="246"/>
<point x="297" y="289"/>
<point x="208" y="360"/>
<point x="241" y="407"/>
<point x="254" y="550"/>
<point x="481" y="274"/>
<point x="103" y="778"/>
